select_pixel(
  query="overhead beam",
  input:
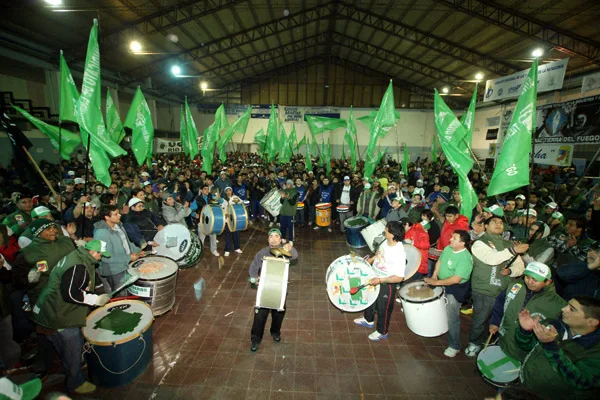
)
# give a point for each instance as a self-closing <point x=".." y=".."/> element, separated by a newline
<point x="425" y="39"/>
<point x="237" y="39"/>
<point x="529" y="27"/>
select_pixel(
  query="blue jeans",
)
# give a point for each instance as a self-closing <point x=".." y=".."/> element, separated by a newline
<point x="287" y="227"/>
<point x="453" y="314"/>
<point x="69" y="346"/>
<point x="312" y="214"/>
<point x="232" y="240"/>
<point x="256" y="208"/>
<point x="300" y="220"/>
<point x="482" y="310"/>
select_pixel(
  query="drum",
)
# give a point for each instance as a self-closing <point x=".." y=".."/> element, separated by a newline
<point x="179" y="244"/>
<point x="118" y="344"/>
<point x="212" y="220"/>
<point x="373" y="234"/>
<point x="323" y="214"/>
<point x="156" y="283"/>
<point x="424" y="309"/>
<point x="413" y="260"/>
<point x="342" y="209"/>
<point x="238" y="217"/>
<point x="345" y="273"/>
<point x="497" y="368"/>
<point x="300" y="205"/>
<point x="271" y="202"/>
<point x="272" y="289"/>
<point x="353" y="226"/>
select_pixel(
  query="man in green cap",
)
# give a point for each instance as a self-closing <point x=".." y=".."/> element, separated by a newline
<point x="20" y="219"/>
<point x="261" y="314"/>
<point x="535" y="293"/>
<point x="63" y="307"/>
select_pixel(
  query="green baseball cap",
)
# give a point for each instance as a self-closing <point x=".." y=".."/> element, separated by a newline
<point x="538" y="271"/>
<point x="25" y="391"/>
<point x="274" y="230"/>
<point x="99" y="246"/>
<point x="495" y="209"/>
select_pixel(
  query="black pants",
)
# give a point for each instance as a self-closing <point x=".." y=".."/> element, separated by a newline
<point x="384" y="305"/>
<point x="260" y="320"/>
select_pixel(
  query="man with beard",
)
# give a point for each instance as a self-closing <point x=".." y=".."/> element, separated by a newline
<point x="141" y="224"/>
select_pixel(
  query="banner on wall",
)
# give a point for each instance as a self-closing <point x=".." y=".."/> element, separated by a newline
<point x="292" y="114"/>
<point x="576" y="121"/>
<point x="553" y="154"/>
<point x="329" y="112"/>
<point x="168" y="146"/>
<point x="262" y="111"/>
<point x="590" y="82"/>
<point x="550" y="77"/>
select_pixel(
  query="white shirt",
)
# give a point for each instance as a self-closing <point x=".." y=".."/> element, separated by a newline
<point x="390" y="260"/>
<point x="345" y="198"/>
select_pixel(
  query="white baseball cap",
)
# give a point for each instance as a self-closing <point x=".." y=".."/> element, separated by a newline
<point x="134" y="201"/>
<point x="79" y="181"/>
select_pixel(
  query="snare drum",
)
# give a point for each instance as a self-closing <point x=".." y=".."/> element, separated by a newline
<point x="323" y="214"/>
<point x="345" y="273"/>
<point x="118" y="344"/>
<point x="342" y="209"/>
<point x="238" y="217"/>
<point x="272" y="289"/>
<point x="271" y="202"/>
<point x="373" y="234"/>
<point x="424" y="309"/>
<point x="179" y="244"/>
<point x="300" y="205"/>
<point x="497" y="368"/>
<point x="157" y="282"/>
<point x="212" y="220"/>
<point x="353" y="226"/>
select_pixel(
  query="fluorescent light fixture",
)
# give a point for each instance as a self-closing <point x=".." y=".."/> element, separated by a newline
<point x="176" y="70"/>
<point x="135" y="46"/>
<point x="53" y="3"/>
<point x="203" y="85"/>
<point x="537" y="53"/>
<point x="445" y="90"/>
<point x="479" y="76"/>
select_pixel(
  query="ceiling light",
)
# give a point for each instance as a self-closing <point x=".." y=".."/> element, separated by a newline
<point x="135" y="46"/>
<point x="53" y="2"/>
<point x="203" y="85"/>
<point x="445" y="90"/>
<point x="537" y="53"/>
<point x="176" y="70"/>
<point x="479" y="76"/>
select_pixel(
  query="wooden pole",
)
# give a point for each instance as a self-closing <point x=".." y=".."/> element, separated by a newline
<point x="39" y="171"/>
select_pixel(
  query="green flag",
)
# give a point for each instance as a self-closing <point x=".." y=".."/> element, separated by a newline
<point x="139" y="121"/>
<point x="191" y="132"/>
<point x="468" y="118"/>
<point x="385" y="118"/>
<point x="405" y="159"/>
<point x="68" y="94"/>
<point x="261" y="139"/>
<point x="284" y="145"/>
<point x="318" y="125"/>
<point x="239" y="126"/>
<point x="69" y="140"/>
<point x="308" y="161"/>
<point x="327" y="156"/>
<point x="211" y="134"/>
<point x="113" y="120"/>
<point x="292" y="140"/>
<point x="183" y="131"/>
<point x="349" y="137"/>
<point x="434" y="150"/>
<point x="302" y="142"/>
<point x="467" y="195"/>
<point x="100" y="164"/>
<point x="512" y="168"/>
<point x="272" y="134"/>
<point x="369" y="119"/>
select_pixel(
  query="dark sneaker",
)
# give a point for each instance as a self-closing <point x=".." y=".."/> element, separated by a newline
<point x="254" y="346"/>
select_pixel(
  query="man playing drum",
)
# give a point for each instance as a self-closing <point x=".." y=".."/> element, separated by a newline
<point x="261" y="314"/>
<point x="389" y="263"/>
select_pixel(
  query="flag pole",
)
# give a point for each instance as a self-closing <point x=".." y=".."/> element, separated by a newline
<point x="60" y="161"/>
<point x="39" y="171"/>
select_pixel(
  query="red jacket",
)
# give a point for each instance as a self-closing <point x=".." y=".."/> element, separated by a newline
<point x="420" y="239"/>
<point x="9" y="250"/>
<point x="461" y="223"/>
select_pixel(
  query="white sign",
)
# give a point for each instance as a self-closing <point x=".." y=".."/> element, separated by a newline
<point x="550" y="77"/>
<point x="292" y="114"/>
<point x="590" y="82"/>
<point x="168" y="146"/>
<point x="553" y="154"/>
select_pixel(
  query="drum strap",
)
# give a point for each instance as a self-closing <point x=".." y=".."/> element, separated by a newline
<point x="89" y="348"/>
<point x="487" y="369"/>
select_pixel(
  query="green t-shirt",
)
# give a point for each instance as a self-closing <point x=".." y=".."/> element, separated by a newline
<point x="455" y="263"/>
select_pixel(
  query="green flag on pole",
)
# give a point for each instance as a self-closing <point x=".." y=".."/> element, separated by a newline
<point x="261" y="139"/>
<point x="68" y="94"/>
<point x="434" y="149"/>
<point x="139" y="121"/>
<point x="405" y="159"/>
<point x="318" y="125"/>
<point x="468" y="197"/>
<point x="308" y="161"/>
<point x="300" y="143"/>
<point x="183" y="131"/>
<point x="292" y="140"/>
<point x="385" y="118"/>
<point x="272" y="134"/>
<point x="349" y="138"/>
<point x="239" y="126"/>
<point x="468" y="118"/>
<point x="69" y="140"/>
<point x="113" y="120"/>
<point x="191" y="132"/>
<point x="512" y="168"/>
<point x="284" y="146"/>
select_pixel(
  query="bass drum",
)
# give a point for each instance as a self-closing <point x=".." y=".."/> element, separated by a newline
<point x="212" y="220"/>
<point x="179" y="244"/>
<point x="271" y="202"/>
<point x="345" y="273"/>
<point x="238" y="217"/>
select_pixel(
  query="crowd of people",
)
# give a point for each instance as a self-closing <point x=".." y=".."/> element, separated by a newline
<point x="528" y="262"/>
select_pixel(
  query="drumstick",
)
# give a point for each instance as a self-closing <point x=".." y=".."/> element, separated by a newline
<point x="128" y="281"/>
<point x="488" y="341"/>
<point x="511" y="371"/>
<point x="355" y="289"/>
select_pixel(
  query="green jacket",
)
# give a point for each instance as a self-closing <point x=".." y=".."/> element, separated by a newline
<point x="486" y="277"/>
<point x="289" y="206"/>
<point x="51" y="310"/>
<point x="45" y="251"/>
<point x="17" y="221"/>
<point x="567" y="368"/>
<point x="545" y="303"/>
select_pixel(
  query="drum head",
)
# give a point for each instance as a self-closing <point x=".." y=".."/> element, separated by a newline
<point x="174" y="241"/>
<point x="345" y="273"/>
<point x="413" y="260"/>
<point x="496" y="367"/>
<point x="355" y="222"/>
<point x="154" y="267"/>
<point x="117" y="322"/>
<point x="322" y="206"/>
<point x="419" y="292"/>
